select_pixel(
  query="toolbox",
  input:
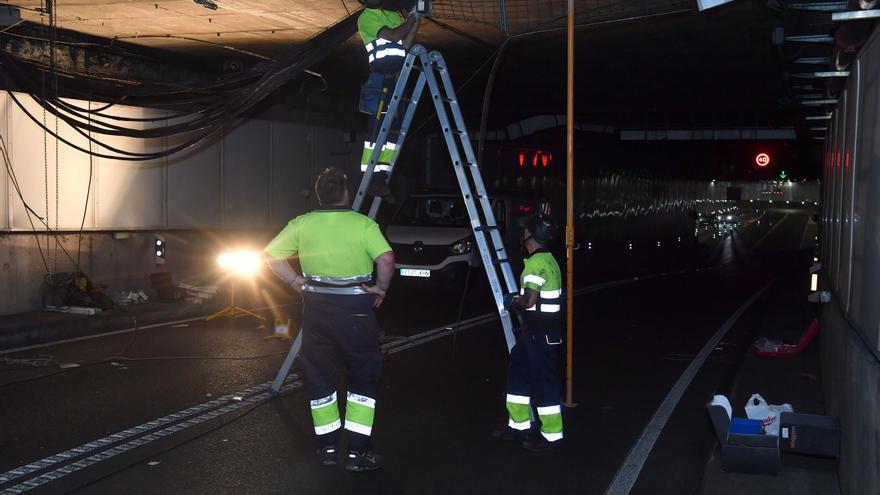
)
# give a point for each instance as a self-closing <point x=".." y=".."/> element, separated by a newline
<point x="809" y="434"/>
<point x="744" y="446"/>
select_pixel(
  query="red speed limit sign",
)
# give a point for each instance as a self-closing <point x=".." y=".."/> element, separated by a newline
<point x="762" y="160"/>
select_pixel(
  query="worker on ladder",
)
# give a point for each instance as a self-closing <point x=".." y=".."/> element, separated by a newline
<point x="387" y="38"/>
<point x="337" y="248"/>
<point x="531" y="377"/>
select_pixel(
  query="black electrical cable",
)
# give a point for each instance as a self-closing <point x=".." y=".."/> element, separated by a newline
<point x="28" y="210"/>
<point x="487" y="99"/>
<point x="206" y="125"/>
<point x="14" y="180"/>
<point x="82" y="223"/>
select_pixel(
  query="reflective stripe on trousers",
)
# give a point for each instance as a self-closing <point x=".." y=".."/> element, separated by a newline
<point x="384" y="159"/>
<point x="551" y="422"/>
<point x="325" y="414"/>
<point x="359" y="413"/>
<point x="518" y="409"/>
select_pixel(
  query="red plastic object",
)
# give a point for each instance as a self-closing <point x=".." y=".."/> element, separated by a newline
<point x="769" y="348"/>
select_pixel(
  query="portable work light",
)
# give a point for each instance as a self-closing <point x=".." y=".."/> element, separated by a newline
<point x="244" y="264"/>
<point x="240" y="262"/>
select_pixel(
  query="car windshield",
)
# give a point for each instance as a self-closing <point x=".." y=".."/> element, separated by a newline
<point x="433" y="212"/>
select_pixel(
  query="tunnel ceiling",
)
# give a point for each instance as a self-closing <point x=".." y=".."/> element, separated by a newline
<point x="651" y="64"/>
<point x="272" y="26"/>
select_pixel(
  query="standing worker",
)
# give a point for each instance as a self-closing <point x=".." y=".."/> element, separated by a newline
<point x="387" y="38"/>
<point x="531" y="376"/>
<point x="336" y="248"/>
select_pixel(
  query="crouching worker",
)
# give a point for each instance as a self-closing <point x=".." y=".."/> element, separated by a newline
<point x="531" y="376"/>
<point x="337" y="248"/>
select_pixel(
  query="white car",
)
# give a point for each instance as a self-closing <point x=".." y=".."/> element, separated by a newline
<point x="432" y="239"/>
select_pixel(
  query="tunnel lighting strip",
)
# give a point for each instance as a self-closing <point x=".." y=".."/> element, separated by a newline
<point x="629" y="470"/>
<point x="110" y="446"/>
<point x="819" y="102"/>
<point x="811" y="38"/>
<point x="820" y="6"/>
<point x="855" y="15"/>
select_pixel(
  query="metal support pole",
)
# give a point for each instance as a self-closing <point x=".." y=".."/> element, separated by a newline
<point x="569" y="207"/>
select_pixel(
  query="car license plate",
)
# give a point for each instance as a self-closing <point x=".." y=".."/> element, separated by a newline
<point x="409" y="272"/>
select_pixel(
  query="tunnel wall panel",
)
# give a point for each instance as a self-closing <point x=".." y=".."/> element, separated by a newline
<point x="865" y="192"/>
<point x="851" y="270"/>
<point x="193" y="182"/>
<point x="33" y="156"/>
<point x="245" y="161"/>
<point x="5" y="186"/>
<point x="291" y="171"/>
<point x="253" y="176"/>
<point x="130" y="194"/>
<point x="838" y="193"/>
<point x="848" y="174"/>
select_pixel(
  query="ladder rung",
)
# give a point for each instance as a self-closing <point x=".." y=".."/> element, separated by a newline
<point x="487" y="228"/>
<point x="505" y="260"/>
<point x="449" y="100"/>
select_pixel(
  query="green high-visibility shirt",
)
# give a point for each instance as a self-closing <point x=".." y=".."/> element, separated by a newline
<point x="331" y="242"/>
<point x="541" y="273"/>
<point x="371" y="21"/>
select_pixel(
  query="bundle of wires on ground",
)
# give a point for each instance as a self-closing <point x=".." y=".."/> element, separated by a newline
<point x="194" y="111"/>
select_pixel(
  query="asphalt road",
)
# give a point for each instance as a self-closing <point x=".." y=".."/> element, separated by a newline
<point x="439" y="400"/>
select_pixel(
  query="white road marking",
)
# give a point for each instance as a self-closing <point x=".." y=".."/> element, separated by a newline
<point x="806" y="229"/>
<point x="772" y="229"/>
<point x="62" y="464"/>
<point x="629" y="470"/>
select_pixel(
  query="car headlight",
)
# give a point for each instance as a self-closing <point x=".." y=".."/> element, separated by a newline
<point x="461" y="247"/>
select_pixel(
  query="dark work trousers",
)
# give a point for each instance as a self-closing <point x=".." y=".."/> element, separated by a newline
<point x="340" y="329"/>
<point x="380" y="178"/>
<point x="532" y="369"/>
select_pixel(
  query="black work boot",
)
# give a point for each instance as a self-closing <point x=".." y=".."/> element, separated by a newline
<point x="327" y="455"/>
<point x="540" y="444"/>
<point x="508" y="434"/>
<point x="359" y="462"/>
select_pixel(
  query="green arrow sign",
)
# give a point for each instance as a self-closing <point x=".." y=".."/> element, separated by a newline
<point x="783" y="175"/>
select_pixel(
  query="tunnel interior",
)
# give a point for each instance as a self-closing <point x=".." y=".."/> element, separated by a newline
<point x="709" y="175"/>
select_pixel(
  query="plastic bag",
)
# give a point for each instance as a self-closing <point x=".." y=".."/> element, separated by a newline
<point x="758" y="408"/>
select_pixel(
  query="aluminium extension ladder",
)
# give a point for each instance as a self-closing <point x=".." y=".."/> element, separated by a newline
<point x="430" y="65"/>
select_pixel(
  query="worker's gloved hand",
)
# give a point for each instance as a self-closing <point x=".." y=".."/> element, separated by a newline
<point x="508" y="300"/>
<point x="424" y="6"/>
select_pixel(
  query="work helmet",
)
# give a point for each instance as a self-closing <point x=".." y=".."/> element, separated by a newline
<point x="543" y="229"/>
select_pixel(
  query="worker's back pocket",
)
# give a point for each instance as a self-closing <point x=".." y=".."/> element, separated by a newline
<point x="553" y="338"/>
<point x="371" y="93"/>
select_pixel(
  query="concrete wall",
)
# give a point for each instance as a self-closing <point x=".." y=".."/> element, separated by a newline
<point x="253" y="176"/>
<point x="850" y="256"/>
<point x="114" y="263"/>
<point x="237" y="190"/>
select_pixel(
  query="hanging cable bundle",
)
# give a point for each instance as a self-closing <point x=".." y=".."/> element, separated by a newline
<point x="195" y="111"/>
